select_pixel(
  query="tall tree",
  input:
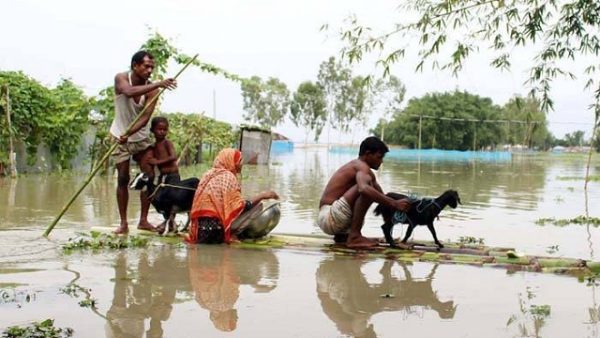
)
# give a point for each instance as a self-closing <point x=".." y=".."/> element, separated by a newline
<point x="388" y="96"/>
<point x="265" y="103"/>
<point x="532" y="131"/>
<point x="308" y="109"/>
<point x="451" y="120"/>
<point x="333" y="77"/>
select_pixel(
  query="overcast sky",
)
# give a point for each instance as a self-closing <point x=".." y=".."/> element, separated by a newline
<point x="90" y="41"/>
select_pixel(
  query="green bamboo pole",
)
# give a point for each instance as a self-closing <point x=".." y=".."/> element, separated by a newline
<point x="108" y="153"/>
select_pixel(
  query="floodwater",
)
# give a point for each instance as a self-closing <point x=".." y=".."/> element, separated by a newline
<point x="214" y="291"/>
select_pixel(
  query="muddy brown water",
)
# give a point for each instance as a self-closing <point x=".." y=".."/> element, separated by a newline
<point x="213" y="291"/>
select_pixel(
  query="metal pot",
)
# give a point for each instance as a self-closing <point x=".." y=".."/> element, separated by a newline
<point x="258" y="221"/>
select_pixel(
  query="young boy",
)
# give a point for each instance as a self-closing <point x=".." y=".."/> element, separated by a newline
<point x="165" y="157"/>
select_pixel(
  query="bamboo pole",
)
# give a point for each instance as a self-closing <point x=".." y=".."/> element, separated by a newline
<point x="11" y="154"/>
<point x="108" y="153"/>
<point x="587" y="169"/>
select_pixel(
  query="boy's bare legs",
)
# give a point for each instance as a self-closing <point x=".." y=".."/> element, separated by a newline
<point x="144" y="157"/>
<point x="122" y="195"/>
<point x="360" y="205"/>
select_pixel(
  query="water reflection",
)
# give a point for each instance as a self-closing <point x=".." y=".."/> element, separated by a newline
<point x="146" y="289"/>
<point x="350" y="301"/>
<point x="216" y="274"/>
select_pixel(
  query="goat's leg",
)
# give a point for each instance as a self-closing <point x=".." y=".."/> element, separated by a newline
<point x="187" y="224"/>
<point x="432" y="230"/>
<point x="172" y="227"/>
<point x="162" y="227"/>
<point x="409" y="231"/>
<point x="387" y="233"/>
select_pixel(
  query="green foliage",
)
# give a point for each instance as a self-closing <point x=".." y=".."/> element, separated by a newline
<point x="102" y="115"/>
<point x="30" y="104"/>
<point x="347" y="97"/>
<point x="450" y="31"/>
<point x="593" y="178"/>
<point x="56" y="117"/>
<point x="162" y="50"/>
<point x="471" y="240"/>
<point x="582" y="220"/>
<point x="388" y="96"/>
<point x="265" y="103"/>
<point x="540" y="310"/>
<point x="74" y="290"/>
<point x="308" y="108"/>
<point x="575" y="139"/>
<point x="189" y="132"/>
<point x="45" y="329"/>
<point x="334" y="78"/>
<point x="98" y="241"/>
<point x="533" y="131"/>
<point x="64" y="128"/>
<point x="88" y="302"/>
<point x="452" y="121"/>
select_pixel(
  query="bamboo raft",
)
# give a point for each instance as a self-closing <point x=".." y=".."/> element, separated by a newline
<point x="452" y="253"/>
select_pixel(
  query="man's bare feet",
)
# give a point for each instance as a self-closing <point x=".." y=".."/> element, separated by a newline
<point x="145" y="225"/>
<point x="122" y="229"/>
<point x="360" y="242"/>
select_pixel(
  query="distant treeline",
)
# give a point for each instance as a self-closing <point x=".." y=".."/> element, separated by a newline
<point x="463" y="121"/>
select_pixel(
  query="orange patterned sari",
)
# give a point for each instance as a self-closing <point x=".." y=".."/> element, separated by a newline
<point x="219" y="194"/>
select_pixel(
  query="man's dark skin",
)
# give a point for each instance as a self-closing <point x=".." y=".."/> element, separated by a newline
<point x="357" y="184"/>
<point x="140" y="74"/>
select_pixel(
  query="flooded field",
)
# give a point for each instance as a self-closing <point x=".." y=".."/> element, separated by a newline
<point x="175" y="291"/>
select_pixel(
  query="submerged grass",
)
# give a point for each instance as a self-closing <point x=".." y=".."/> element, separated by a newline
<point x="97" y="241"/>
<point x="582" y="220"/>
<point x="45" y="329"/>
<point x="592" y="178"/>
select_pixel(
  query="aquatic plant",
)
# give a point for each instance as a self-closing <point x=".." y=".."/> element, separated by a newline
<point x="88" y="302"/>
<point x="593" y="178"/>
<point x="583" y="220"/>
<point x="45" y="329"/>
<point x="470" y="240"/>
<point x="73" y="290"/>
<point x="536" y="314"/>
<point x="97" y="241"/>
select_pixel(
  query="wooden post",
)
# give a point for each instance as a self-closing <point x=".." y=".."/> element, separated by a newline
<point x="11" y="154"/>
<point x="420" y="125"/>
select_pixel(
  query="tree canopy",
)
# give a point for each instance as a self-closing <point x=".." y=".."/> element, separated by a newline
<point x="463" y="121"/>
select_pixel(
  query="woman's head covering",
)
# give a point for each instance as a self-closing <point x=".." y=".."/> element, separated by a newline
<point x="228" y="159"/>
<point x="219" y="194"/>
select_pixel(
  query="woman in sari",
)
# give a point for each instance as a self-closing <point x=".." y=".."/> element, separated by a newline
<point x="218" y="200"/>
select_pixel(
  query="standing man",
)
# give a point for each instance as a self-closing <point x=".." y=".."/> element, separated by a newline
<point x="349" y="194"/>
<point x="132" y="90"/>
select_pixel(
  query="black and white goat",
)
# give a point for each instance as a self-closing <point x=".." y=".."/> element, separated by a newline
<point x="422" y="212"/>
<point x="168" y="199"/>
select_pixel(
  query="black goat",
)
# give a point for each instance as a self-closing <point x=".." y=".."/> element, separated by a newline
<point x="168" y="199"/>
<point x="422" y="212"/>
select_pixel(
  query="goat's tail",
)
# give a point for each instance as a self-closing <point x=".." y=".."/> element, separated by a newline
<point x="378" y="210"/>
